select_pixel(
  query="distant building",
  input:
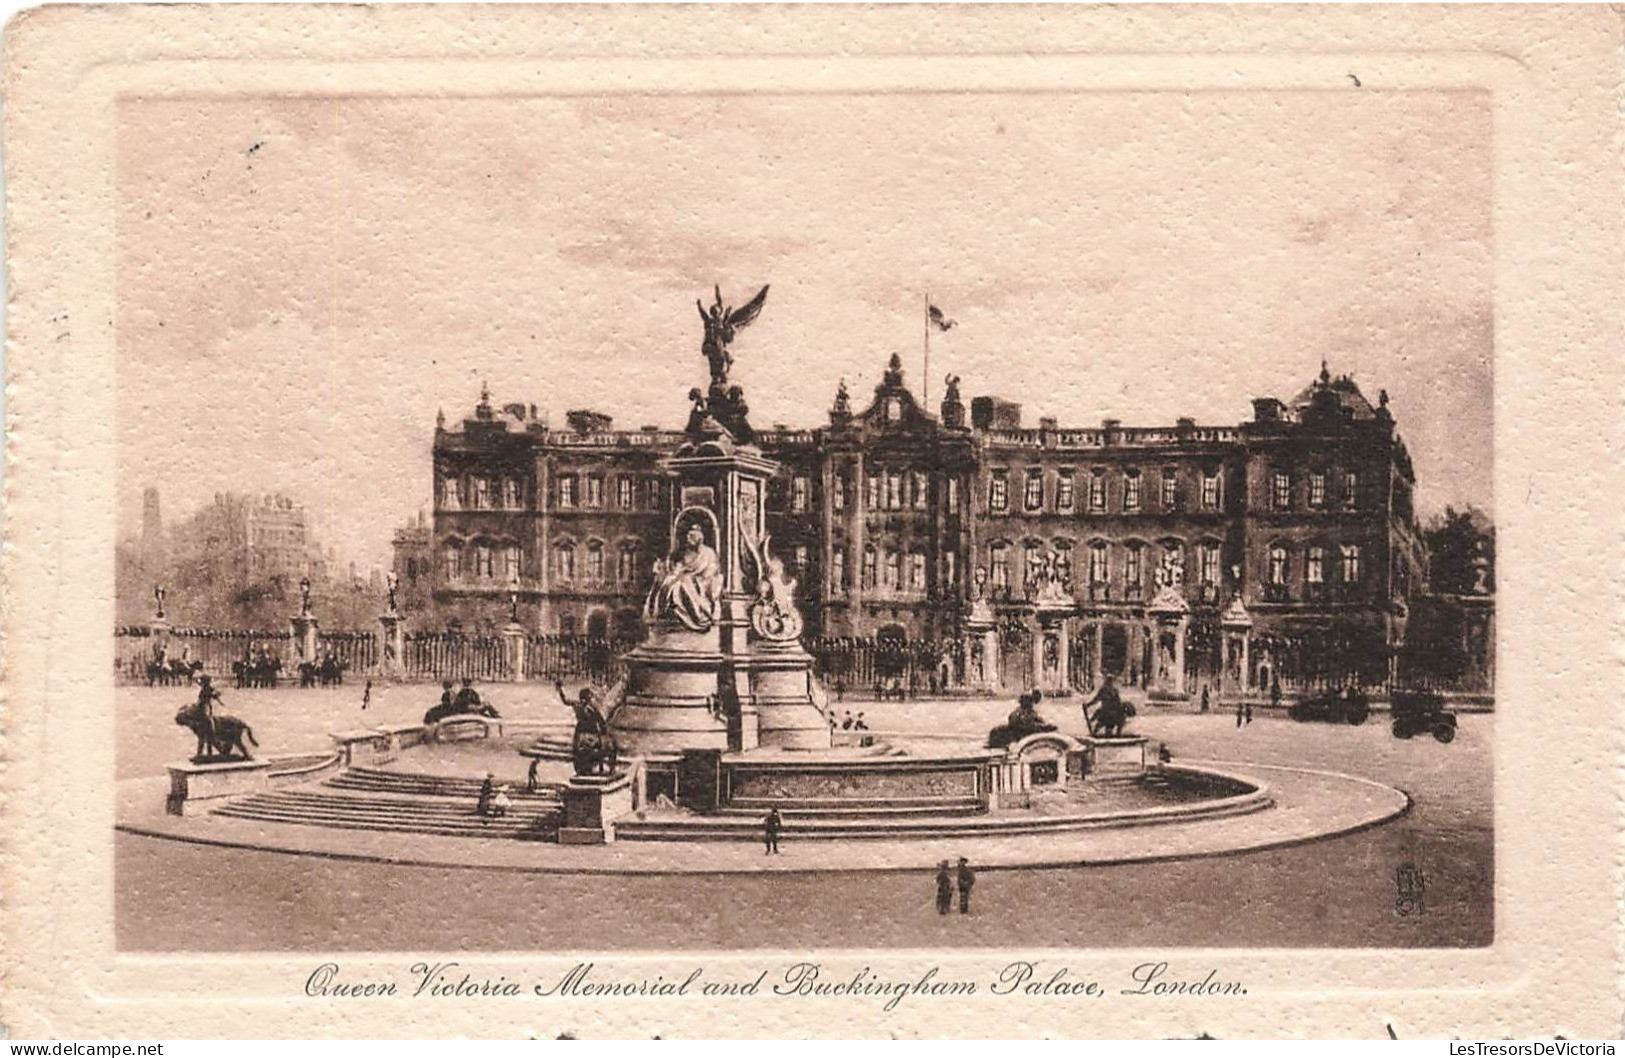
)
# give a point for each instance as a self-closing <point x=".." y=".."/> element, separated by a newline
<point x="890" y="515"/>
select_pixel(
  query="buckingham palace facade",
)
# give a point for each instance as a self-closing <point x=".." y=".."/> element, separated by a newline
<point x="901" y="522"/>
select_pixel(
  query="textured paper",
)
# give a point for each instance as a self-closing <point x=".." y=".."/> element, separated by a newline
<point x="91" y="89"/>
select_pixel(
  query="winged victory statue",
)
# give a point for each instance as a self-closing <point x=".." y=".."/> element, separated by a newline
<point x="722" y="322"/>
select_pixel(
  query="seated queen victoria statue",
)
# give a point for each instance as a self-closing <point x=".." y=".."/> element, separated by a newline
<point x="687" y="585"/>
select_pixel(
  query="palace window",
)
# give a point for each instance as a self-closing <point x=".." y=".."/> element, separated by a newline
<point x="799" y="490"/>
<point x="1207" y="561"/>
<point x="1281" y="490"/>
<point x="565" y="559"/>
<point x="1134" y="568"/>
<point x="1317" y="488"/>
<point x="482" y="494"/>
<point x="952" y="500"/>
<point x="998" y="491"/>
<point x="454" y="562"/>
<point x="950" y="570"/>
<point x="1032" y="496"/>
<point x="1278" y="566"/>
<point x="1100" y="569"/>
<point x="483" y="566"/>
<point x="871" y="493"/>
<point x="999" y="560"/>
<point x="510" y="564"/>
<point x="1351" y="490"/>
<point x="624" y="488"/>
<point x="567" y="624"/>
<point x="894" y="491"/>
<point x="1351" y="563"/>
<point x="1210" y="490"/>
<point x="916" y="571"/>
<point x="1034" y="562"/>
<point x="595" y="490"/>
<point x="1063" y="491"/>
<point x="1097" y="491"/>
<point x="922" y="490"/>
<point x="837" y="499"/>
<point x="1314" y="565"/>
<point x="893" y="409"/>
<point x="869" y="567"/>
<point x="1170" y="488"/>
<point x="450" y="495"/>
<point x="567" y="491"/>
<point x="1131" y="492"/>
<point x="837" y="571"/>
<point x="892" y="569"/>
<point x="595" y="562"/>
<point x="626" y="562"/>
<point x="799" y="557"/>
<point x="510" y="493"/>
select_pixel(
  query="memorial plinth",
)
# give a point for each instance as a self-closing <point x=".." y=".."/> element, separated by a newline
<point x="722" y="667"/>
<point x="192" y="786"/>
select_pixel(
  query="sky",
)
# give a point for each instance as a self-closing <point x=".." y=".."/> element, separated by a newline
<point x="303" y="282"/>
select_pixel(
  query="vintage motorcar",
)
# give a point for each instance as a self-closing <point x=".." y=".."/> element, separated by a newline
<point x="1345" y="705"/>
<point x="1417" y="711"/>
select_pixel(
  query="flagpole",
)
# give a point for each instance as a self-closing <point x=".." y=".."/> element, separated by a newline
<point x="925" y="384"/>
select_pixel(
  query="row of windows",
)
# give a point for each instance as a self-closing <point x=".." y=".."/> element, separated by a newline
<point x="1317" y="496"/>
<point x="1037" y="493"/>
<point x="479" y="493"/>
<point x="892" y="490"/>
<point x="574" y="491"/>
<point x="1133" y="559"/>
<point x="889" y="570"/>
<point x="1320" y="563"/>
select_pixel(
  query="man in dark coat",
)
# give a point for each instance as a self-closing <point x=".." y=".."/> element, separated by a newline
<point x="945" y="888"/>
<point x="770" y="831"/>
<point x="967" y="878"/>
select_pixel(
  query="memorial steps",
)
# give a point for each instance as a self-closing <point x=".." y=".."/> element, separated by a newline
<point x="377" y="780"/>
<point x="364" y="799"/>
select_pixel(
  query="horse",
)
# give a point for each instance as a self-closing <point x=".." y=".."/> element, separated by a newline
<point x="221" y="738"/>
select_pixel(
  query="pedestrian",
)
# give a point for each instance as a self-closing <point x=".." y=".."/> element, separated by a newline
<point x="1204" y="698"/>
<point x="846" y="723"/>
<point x="482" y="805"/>
<point x="1249" y="712"/>
<point x="945" y="888"/>
<point x="1240" y="712"/>
<point x="366" y="696"/>
<point x="967" y="878"/>
<point x="859" y="725"/>
<point x="770" y="831"/>
<point x="501" y="802"/>
<point x="531" y="779"/>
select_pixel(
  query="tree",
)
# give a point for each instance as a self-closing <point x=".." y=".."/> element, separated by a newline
<point x="1454" y="542"/>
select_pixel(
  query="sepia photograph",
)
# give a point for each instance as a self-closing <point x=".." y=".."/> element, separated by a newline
<point x="875" y="520"/>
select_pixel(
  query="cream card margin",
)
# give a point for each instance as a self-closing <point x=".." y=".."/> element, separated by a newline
<point x="1554" y="75"/>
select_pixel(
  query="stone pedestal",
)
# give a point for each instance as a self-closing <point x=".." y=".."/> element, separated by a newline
<point x="515" y="648"/>
<point x="982" y="648"/>
<point x="392" y="659"/>
<point x="1170" y="616"/>
<point x="591" y="804"/>
<point x="1052" y="651"/>
<point x="303" y="628"/>
<point x="1116" y="758"/>
<point x="1237" y="626"/>
<point x="193" y="786"/>
<point x="160" y="634"/>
